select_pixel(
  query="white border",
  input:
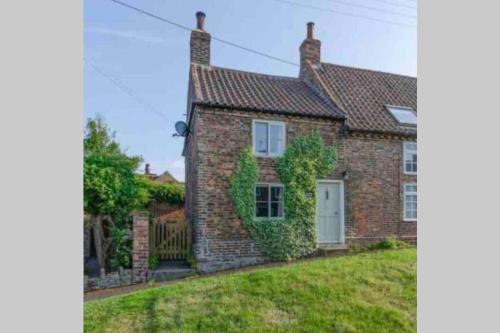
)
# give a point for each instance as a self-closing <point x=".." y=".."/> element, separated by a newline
<point x="342" y="208"/>
<point x="269" y="122"/>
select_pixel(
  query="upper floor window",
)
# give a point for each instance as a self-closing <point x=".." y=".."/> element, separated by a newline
<point x="269" y="201"/>
<point x="404" y="115"/>
<point x="410" y="202"/>
<point x="410" y="158"/>
<point x="268" y="138"/>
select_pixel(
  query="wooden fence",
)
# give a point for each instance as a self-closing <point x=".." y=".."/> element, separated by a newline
<point x="170" y="240"/>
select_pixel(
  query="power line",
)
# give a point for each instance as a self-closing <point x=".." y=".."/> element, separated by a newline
<point x="390" y="12"/>
<point x="213" y="37"/>
<point x="124" y="88"/>
<point x="395" y="4"/>
<point x="251" y="50"/>
<point x="178" y="25"/>
<point x="343" y="13"/>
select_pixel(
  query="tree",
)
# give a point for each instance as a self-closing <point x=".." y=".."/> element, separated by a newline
<point x="111" y="189"/>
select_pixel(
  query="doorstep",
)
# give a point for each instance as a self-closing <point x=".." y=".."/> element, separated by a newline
<point x="333" y="246"/>
<point x="332" y="249"/>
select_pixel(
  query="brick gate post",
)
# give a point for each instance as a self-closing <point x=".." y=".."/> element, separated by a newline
<point x="140" y="250"/>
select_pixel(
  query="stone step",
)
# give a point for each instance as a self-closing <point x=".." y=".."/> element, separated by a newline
<point x="332" y="249"/>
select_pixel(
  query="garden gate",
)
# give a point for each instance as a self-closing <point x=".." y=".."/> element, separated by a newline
<point x="170" y="240"/>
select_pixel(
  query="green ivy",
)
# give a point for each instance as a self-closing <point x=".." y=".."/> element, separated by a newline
<point x="305" y="160"/>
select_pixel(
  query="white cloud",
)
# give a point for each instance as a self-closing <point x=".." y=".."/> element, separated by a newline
<point x="126" y="34"/>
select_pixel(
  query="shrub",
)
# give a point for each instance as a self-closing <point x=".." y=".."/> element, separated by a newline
<point x="390" y="243"/>
<point x="153" y="261"/>
<point x="160" y="192"/>
<point x="122" y="248"/>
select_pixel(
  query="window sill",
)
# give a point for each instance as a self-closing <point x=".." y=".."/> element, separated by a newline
<point x="409" y="220"/>
<point x="267" y="156"/>
<point x="410" y="173"/>
<point x="268" y="218"/>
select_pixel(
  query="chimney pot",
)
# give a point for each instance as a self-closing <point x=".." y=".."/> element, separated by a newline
<point x="200" y="20"/>
<point x="148" y="170"/>
<point x="200" y="42"/>
<point x="310" y="30"/>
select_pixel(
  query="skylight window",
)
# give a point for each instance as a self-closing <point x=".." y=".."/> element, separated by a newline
<point x="404" y="116"/>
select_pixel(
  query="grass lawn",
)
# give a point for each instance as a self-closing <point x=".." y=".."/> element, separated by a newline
<point x="369" y="292"/>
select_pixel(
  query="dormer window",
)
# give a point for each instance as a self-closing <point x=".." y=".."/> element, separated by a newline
<point x="403" y="115"/>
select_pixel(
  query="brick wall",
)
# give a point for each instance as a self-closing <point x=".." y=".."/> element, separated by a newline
<point x="373" y="188"/>
<point x="140" y="247"/>
<point x="220" y="240"/>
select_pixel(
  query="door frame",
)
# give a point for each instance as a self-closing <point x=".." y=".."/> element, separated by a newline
<point x="341" y="196"/>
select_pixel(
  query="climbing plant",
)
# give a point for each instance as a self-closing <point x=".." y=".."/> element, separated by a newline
<point x="305" y="160"/>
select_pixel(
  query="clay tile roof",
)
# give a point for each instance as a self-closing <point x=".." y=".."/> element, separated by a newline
<point x="237" y="89"/>
<point x="363" y="94"/>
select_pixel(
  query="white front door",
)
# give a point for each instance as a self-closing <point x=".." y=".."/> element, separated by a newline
<point x="329" y="212"/>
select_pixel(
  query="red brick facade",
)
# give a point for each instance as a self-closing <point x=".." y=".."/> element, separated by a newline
<point x="371" y="168"/>
<point x="374" y="189"/>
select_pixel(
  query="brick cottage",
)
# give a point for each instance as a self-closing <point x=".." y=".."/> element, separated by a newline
<point x="369" y="116"/>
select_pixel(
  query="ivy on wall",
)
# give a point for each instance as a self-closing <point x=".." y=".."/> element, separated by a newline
<point x="305" y="160"/>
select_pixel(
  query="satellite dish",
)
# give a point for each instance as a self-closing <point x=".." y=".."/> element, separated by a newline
<point x="181" y="128"/>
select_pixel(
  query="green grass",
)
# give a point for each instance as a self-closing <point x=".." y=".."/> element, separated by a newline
<point x="368" y="292"/>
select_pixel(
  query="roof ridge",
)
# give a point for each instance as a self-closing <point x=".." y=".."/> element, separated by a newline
<point x="328" y="102"/>
<point x="332" y="97"/>
<point x="369" y="70"/>
<point x="281" y="77"/>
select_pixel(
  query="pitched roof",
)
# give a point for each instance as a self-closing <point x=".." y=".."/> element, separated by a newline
<point x="363" y="94"/>
<point x="237" y="89"/>
<point x="359" y="94"/>
<point x="166" y="177"/>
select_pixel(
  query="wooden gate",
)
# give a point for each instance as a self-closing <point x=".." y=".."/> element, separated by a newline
<point x="170" y="240"/>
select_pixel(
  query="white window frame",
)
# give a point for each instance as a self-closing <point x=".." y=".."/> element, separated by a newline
<point x="269" y="123"/>
<point x="404" y="108"/>
<point x="269" y="185"/>
<point x="408" y="151"/>
<point x="405" y="192"/>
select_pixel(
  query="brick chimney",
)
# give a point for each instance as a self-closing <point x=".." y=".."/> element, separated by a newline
<point x="310" y="49"/>
<point x="200" y="42"/>
<point x="148" y="169"/>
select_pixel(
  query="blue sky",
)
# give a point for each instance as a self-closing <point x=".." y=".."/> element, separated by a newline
<point x="150" y="59"/>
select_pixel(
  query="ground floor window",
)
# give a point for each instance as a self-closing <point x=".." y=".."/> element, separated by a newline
<point x="269" y="200"/>
<point x="410" y="202"/>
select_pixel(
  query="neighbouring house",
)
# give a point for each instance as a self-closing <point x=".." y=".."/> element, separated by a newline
<point x="370" y="116"/>
<point x="164" y="178"/>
